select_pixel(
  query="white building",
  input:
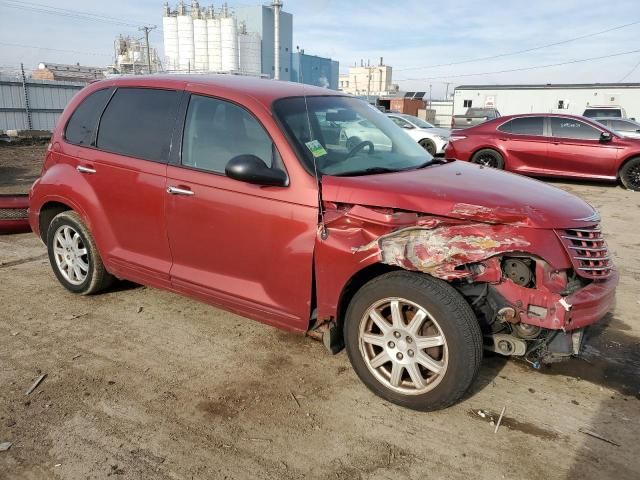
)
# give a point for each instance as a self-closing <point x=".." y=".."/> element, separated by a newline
<point x="550" y="98"/>
<point x="370" y="80"/>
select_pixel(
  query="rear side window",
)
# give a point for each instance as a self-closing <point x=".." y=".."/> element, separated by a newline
<point x="524" y="126"/>
<point x="570" y="128"/>
<point x="138" y="122"/>
<point x="82" y="125"/>
<point x="216" y="131"/>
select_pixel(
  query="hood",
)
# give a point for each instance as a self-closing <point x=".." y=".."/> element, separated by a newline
<point x="444" y="132"/>
<point x="465" y="191"/>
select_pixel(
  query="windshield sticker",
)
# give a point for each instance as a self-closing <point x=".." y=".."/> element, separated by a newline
<point x="316" y="148"/>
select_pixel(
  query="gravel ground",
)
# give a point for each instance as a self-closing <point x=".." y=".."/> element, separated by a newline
<point x="145" y="384"/>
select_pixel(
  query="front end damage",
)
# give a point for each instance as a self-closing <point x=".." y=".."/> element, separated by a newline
<point x="531" y="298"/>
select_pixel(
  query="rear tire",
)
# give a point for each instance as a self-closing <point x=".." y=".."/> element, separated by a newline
<point x="413" y="340"/>
<point x="630" y="175"/>
<point x="429" y="146"/>
<point x="489" y="158"/>
<point x="74" y="257"/>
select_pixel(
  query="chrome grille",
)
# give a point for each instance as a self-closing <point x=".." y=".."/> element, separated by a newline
<point x="13" y="213"/>
<point x="588" y="251"/>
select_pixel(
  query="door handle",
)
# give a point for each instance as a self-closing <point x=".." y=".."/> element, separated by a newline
<point x="82" y="169"/>
<point x="179" y="191"/>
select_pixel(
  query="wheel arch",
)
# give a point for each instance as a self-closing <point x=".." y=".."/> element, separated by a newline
<point x="48" y="212"/>
<point x="356" y="282"/>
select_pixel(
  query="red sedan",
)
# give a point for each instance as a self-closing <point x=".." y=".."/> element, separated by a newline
<point x="550" y="145"/>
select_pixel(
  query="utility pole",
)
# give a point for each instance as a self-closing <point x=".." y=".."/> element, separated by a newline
<point x="446" y="95"/>
<point x="25" y="93"/>
<point x="146" y="29"/>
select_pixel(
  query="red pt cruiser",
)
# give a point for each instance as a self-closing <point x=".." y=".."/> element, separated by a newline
<point x="242" y="193"/>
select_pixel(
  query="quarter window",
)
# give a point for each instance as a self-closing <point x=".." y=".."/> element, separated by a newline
<point x="138" y="122"/>
<point x="524" y="126"/>
<point x="216" y="131"/>
<point x="82" y="125"/>
<point x="570" y="128"/>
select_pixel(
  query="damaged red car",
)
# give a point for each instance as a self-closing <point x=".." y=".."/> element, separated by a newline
<point x="245" y="193"/>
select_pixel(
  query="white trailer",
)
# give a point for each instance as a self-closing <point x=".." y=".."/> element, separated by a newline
<point x="549" y="98"/>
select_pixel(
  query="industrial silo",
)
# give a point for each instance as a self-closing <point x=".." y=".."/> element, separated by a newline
<point x="170" y="34"/>
<point x="249" y="52"/>
<point x="229" y="42"/>
<point x="213" y="41"/>
<point x="186" y="52"/>
<point x="199" y="38"/>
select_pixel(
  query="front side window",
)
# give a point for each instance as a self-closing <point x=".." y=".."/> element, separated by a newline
<point x="347" y="136"/>
<point x="216" y="131"/>
<point x="623" y="126"/>
<point x="524" y="126"/>
<point x="138" y="122"/>
<point x="83" y="123"/>
<point x="574" y="129"/>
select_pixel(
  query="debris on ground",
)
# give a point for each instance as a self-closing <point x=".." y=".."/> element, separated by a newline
<point x="295" y="399"/>
<point x="140" y="309"/>
<point x="500" y="419"/>
<point x="36" y="383"/>
<point x="5" y="446"/>
<point x="598" y="436"/>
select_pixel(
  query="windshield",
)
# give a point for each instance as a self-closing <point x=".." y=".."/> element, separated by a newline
<point x="603" y="112"/>
<point x="347" y="136"/>
<point x="418" y="122"/>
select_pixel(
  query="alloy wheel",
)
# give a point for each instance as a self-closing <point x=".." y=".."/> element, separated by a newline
<point x="403" y="346"/>
<point x="71" y="255"/>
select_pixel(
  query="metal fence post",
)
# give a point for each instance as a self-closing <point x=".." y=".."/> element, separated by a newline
<point x="25" y="92"/>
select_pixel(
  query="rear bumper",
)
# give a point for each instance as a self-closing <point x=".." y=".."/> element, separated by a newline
<point x="14" y="217"/>
<point x="552" y="311"/>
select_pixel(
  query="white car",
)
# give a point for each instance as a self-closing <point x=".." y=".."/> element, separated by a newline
<point x="432" y="139"/>
<point x="354" y="133"/>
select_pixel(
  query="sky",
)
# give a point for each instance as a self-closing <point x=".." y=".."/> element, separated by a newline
<point x="415" y="37"/>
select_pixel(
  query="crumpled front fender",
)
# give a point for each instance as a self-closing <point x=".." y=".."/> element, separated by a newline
<point x="358" y="236"/>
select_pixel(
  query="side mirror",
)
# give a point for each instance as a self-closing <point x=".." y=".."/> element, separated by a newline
<point x="251" y="169"/>
<point x="605" y="137"/>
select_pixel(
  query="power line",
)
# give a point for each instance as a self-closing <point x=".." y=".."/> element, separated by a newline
<point x="19" y="45"/>
<point x="630" y="72"/>
<point x="518" y="52"/>
<point x="63" y="12"/>
<point x="570" y="62"/>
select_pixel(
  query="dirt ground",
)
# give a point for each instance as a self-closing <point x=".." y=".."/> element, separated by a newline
<point x="145" y="384"/>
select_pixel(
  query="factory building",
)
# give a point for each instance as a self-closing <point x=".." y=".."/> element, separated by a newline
<point x="549" y="98"/>
<point x="368" y="80"/>
<point x="314" y="70"/>
<point x="200" y="40"/>
<point x="241" y="40"/>
<point x="261" y="20"/>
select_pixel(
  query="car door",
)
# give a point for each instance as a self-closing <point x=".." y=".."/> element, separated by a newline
<point x="126" y="169"/>
<point x="576" y="149"/>
<point x="245" y="247"/>
<point x="524" y="142"/>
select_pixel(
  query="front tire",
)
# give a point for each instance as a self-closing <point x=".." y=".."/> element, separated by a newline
<point x="630" y="174"/>
<point x="413" y="340"/>
<point x="429" y="146"/>
<point x="489" y="158"/>
<point x="74" y="257"/>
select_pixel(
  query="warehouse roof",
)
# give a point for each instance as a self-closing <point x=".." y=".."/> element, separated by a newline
<point x="549" y="86"/>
